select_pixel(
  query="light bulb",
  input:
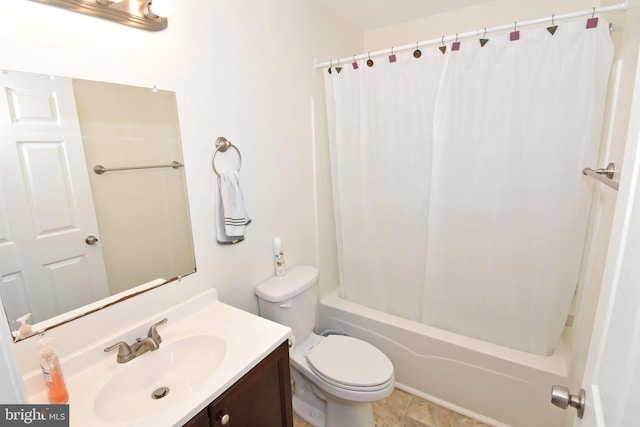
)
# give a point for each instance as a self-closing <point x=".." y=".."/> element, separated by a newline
<point x="161" y="8"/>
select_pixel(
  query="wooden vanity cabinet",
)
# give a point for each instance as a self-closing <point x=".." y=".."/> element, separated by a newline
<point x="261" y="398"/>
<point x="200" y="420"/>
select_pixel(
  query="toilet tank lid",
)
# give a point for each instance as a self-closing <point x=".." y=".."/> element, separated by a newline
<point x="296" y="280"/>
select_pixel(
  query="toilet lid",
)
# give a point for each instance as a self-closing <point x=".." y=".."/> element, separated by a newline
<point x="349" y="361"/>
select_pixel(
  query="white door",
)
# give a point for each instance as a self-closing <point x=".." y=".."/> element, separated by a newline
<point x="46" y="208"/>
<point x="612" y="376"/>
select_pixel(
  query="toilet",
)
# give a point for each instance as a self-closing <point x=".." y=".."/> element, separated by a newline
<point x="336" y="378"/>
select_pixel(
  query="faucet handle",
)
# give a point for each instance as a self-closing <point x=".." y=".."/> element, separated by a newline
<point x="124" y="351"/>
<point x="153" y="333"/>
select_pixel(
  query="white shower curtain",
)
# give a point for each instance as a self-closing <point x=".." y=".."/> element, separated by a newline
<point x="457" y="187"/>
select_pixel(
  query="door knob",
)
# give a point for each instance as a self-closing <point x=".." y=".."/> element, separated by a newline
<point x="561" y="397"/>
<point x="91" y="240"/>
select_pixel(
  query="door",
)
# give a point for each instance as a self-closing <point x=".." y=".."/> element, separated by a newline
<point x="47" y="266"/>
<point x="612" y="376"/>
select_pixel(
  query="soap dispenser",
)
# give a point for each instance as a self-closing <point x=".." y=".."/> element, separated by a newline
<point x="52" y="373"/>
<point x="278" y="257"/>
<point x="24" y="330"/>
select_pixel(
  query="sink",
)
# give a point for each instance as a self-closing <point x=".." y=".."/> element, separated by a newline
<point x="208" y="345"/>
<point x="156" y="380"/>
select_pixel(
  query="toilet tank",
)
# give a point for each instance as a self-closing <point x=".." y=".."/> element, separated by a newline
<point x="291" y="300"/>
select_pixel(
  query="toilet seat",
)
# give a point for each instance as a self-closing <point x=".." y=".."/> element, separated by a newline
<point x="350" y="363"/>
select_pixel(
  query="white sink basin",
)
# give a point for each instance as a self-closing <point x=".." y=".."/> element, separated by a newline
<point x="181" y="366"/>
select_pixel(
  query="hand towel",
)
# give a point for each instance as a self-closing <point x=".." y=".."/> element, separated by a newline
<point x="232" y="218"/>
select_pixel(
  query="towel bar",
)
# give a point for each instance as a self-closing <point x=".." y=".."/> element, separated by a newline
<point x="99" y="169"/>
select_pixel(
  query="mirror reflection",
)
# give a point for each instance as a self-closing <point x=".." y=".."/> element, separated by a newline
<point x="71" y="239"/>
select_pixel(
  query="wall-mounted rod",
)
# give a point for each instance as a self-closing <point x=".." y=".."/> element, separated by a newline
<point x="475" y="33"/>
<point x="99" y="169"/>
<point x="604" y="175"/>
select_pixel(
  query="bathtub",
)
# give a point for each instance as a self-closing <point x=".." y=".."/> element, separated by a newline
<point x="494" y="384"/>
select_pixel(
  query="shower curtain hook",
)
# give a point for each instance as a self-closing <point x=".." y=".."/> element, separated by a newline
<point x="515" y="34"/>
<point x="456" y="44"/>
<point x="338" y="67"/>
<point x="354" y="63"/>
<point x="442" y="48"/>
<point x="552" y="29"/>
<point x="593" y="21"/>
<point x="392" y="57"/>
<point x="330" y="65"/>
<point x="417" y="53"/>
<point x="484" y="40"/>
<point x="369" y="61"/>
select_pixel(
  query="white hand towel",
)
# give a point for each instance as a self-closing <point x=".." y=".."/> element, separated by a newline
<point x="232" y="218"/>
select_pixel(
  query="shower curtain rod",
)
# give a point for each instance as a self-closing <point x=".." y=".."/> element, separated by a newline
<point x="476" y="33"/>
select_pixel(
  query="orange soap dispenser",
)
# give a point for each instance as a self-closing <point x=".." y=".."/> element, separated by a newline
<point x="52" y="373"/>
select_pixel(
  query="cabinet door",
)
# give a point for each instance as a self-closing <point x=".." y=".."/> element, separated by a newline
<point x="262" y="398"/>
<point x="200" y="420"/>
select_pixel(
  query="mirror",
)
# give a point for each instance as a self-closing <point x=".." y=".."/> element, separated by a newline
<point x="73" y="240"/>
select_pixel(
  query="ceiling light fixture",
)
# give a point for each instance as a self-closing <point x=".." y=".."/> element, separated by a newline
<point x="158" y="9"/>
<point x="141" y="14"/>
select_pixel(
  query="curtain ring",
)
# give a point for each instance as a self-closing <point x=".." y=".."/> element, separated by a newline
<point x="484" y="40"/>
<point x="369" y="60"/>
<point x="354" y="63"/>
<point x="330" y="65"/>
<point x="594" y="13"/>
<point x="417" y="53"/>
<point x="443" y="48"/>
<point x="515" y="26"/>
<point x="553" y="19"/>
<point x="456" y="36"/>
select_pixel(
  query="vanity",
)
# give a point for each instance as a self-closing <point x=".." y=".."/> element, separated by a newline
<point x="262" y="397"/>
<point x="216" y="365"/>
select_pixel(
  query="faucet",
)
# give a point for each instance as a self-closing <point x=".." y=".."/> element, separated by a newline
<point x="128" y="352"/>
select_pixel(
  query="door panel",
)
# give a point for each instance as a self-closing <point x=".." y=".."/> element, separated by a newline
<point x="612" y="375"/>
<point x="46" y="207"/>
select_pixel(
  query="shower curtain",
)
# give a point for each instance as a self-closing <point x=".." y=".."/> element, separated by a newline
<point x="458" y="196"/>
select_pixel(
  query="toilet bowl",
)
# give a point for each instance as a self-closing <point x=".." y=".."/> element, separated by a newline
<point x="335" y="378"/>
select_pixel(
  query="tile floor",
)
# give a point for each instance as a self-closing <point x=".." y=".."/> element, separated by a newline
<point x="402" y="409"/>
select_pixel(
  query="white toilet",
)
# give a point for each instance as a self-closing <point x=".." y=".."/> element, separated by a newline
<point x="335" y="378"/>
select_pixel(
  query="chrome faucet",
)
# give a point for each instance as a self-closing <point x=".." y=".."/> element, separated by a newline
<point x="128" y="352"/>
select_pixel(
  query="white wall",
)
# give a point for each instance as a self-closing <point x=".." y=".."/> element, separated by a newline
<point x="241" y="69"/>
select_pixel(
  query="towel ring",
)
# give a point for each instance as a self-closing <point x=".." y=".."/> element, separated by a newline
<point x="222" y="145"/>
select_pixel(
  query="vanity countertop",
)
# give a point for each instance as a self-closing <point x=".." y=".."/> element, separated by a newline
<point x="233" y="342"/>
